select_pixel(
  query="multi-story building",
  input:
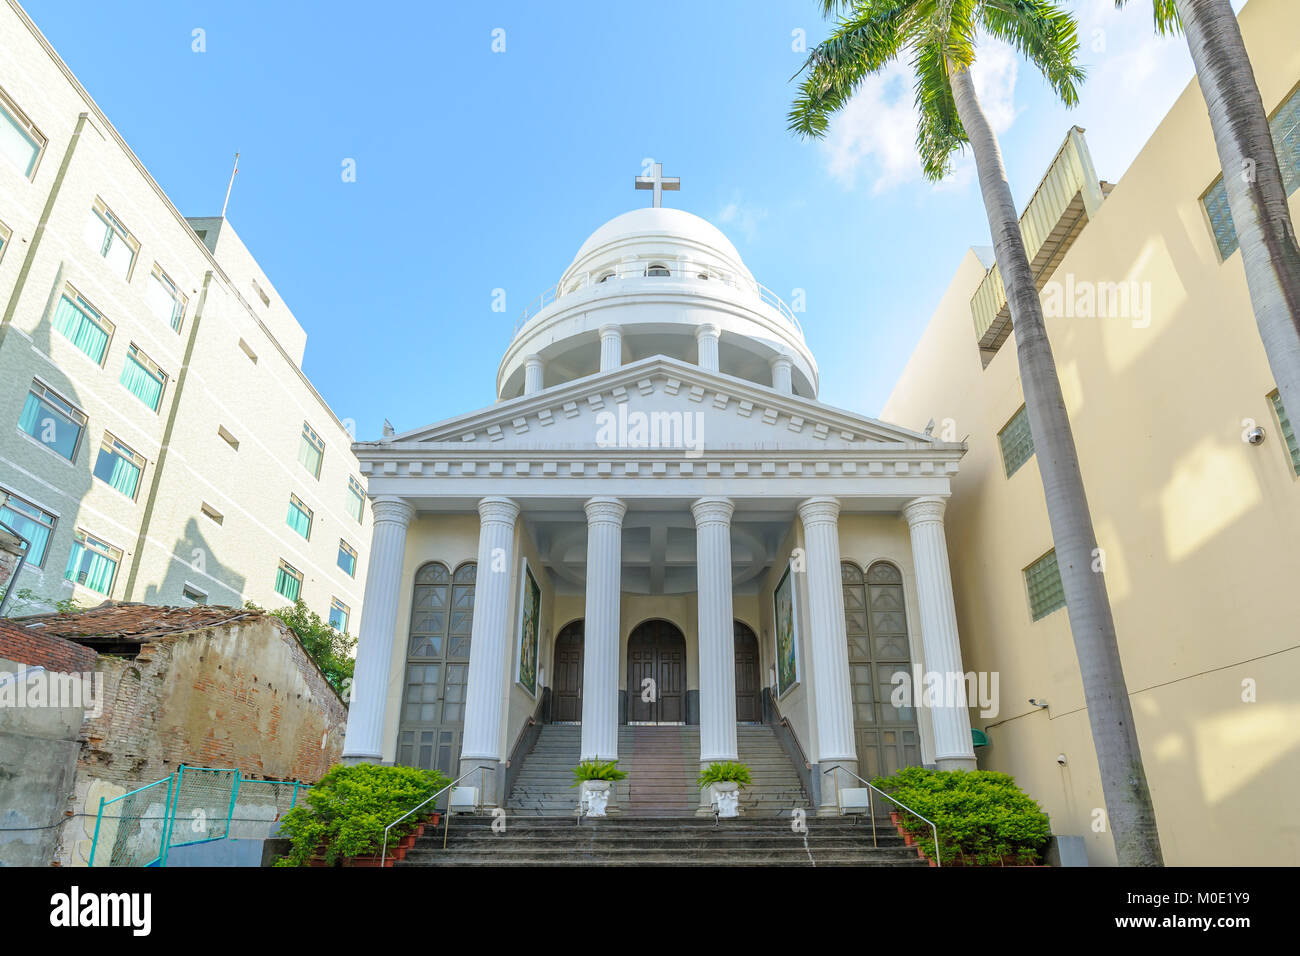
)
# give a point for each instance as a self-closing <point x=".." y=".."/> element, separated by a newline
<point x="1169" y="395"/>
<point x="159" y="441"/>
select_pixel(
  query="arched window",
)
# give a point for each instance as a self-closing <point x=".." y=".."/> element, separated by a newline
<point x="606" y="277"/>
<point x="875" y="619"/>
<point x="657" y="269"/>
<point x="437" y="667"/>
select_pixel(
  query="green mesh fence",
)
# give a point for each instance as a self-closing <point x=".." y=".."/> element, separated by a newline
<point x="193" y="805"/>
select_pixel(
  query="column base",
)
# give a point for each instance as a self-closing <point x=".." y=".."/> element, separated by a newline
<point x="352" y="760"/>
<point x="490" y="780"/>
<point x="955" y="763"/>
<point x="834" y="781"/>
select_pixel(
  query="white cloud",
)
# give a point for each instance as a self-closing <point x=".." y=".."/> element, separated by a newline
<point x="874" y="135"/>
<point x="742" y="218"/>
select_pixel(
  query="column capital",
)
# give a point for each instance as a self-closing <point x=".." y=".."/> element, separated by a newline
<point x="534" y="360"/>
<point x="611" y="329"/>
<point x="822" y="509"/>
<point x="499" y="510"/>
<point x="390" y="509"/>
<point x="780" y="361"/>
<point x="706" y="330"/>
<point x="928" y="509"/>
<point x="605" y="510"/>
<point x="713" y="510"/>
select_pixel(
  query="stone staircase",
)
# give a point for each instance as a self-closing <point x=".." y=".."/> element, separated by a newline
<point x="626" y="840"/>
<point x="662" y="764"/>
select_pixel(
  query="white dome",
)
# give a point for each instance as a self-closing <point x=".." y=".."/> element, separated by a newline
<point x="659" y="226"/>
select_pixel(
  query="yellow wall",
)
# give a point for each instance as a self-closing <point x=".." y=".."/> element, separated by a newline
<point x="1199" y="529"/>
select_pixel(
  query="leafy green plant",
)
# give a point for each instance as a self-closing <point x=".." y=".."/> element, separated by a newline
<point x="330" y="649"/>
<point x="346" y="812"/>
<point x="725" y="771"/>
<point x="983" y="818"/>
<point x="597" y="770"/>
<point x="27" y="601"/>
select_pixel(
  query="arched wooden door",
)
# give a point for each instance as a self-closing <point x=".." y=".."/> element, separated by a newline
<point x="566" y="688"/>
<point x="749" y="700"/>
<point x="656" y="674"/>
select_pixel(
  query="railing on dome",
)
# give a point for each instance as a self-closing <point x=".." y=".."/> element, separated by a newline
<point x="637" y="270"/>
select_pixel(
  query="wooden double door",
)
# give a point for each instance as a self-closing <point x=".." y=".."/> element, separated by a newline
<point x="656" y="675"/>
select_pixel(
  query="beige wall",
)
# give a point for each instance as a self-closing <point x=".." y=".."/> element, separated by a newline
<point x="166" y="541"/>
<point x="1198" y="527"/>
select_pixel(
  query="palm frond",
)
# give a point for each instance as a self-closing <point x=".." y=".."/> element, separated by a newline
<point x="939" y="132"/>
<point x="1045" y="34"/>
<point x="1164" y="14"/>
<point x="859" y="46"/>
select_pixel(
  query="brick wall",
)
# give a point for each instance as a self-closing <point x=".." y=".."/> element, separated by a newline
<point x="26" y="646"/>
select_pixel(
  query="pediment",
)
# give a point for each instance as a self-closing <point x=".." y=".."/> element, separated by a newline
<point x="662" y="403"/>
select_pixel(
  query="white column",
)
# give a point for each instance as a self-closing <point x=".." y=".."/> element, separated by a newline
<point x="611" y="347"/>
<point x="532" y="374"/>
<point x="717" y="640"/>
<point x="781" y="381"/>
<point x="831" y="689"/>
<point x="953" y="748"/>
<point x="707" y="337"/>
<point x="489" y="651"/>
<point x="363" y="742"/>
<point x="601" y="629"/>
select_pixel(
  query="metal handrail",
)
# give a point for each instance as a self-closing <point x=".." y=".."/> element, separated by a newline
<point x="938" y="859"/>
<point x="384" y="852"/>
<point x="622" y="272"/>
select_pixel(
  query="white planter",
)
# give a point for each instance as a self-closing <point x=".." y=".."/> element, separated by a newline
<point x="724" y="799"/>
<point x="597" y="798"/>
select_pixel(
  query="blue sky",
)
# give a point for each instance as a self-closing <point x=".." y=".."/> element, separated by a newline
<point x="478" y="170"/>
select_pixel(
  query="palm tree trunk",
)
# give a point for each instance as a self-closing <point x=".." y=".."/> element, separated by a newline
<point x="1256" y="193"/>
<point x="1123" y="780"/>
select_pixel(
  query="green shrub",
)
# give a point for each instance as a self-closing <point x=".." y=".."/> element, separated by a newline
<point x="345" y="814"/>
<point x="596" y="770"/>
<point x="983" y="818"/>
<point x="725" y="771"/>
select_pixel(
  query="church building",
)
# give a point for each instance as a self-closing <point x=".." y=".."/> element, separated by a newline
<point x="659" y="543"/>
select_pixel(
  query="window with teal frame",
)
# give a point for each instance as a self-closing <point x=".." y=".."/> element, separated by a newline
<point x="19" y="139"/>
<point x="1043" y="580"/>
<point x="118" y="466"/>
<point x="311" y="451"/>
<point x="347" y="558"/>
<point x="1288" y="431"/>
<point x="143" y="378"/>
<point x="1285" y="126"/>
<point x="288" y="581"/>
<point x="1016" y="441"/>
<point x="82" y="325"/>
<point x="356" y="498"/>
<point x="53" y="422"/>
<point x="33" y="523"/>
<point x="339" y="614"/>
<point x="92" y="563"/>
<point x="299" y="517"/>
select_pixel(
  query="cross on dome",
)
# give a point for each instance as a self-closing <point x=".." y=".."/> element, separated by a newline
<point x="658" y="183"/>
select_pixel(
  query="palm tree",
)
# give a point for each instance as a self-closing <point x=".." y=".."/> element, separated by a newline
<point x="1251" y="176"/>
<point x="939" y="36"/>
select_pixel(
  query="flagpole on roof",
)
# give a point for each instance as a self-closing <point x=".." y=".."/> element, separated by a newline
<point x="230" y="186"/>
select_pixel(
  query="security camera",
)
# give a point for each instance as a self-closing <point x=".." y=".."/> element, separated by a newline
<point x="1038" y="702"/>
<point x="1060" y="758"/>
<point x="1255" y="436"/>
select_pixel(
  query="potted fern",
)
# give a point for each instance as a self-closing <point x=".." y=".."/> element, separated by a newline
<point x="723" y="780"/>
<point x="596" y="779"/>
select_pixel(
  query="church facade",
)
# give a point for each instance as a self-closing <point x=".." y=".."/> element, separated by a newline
<point x="658" y="524"/>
